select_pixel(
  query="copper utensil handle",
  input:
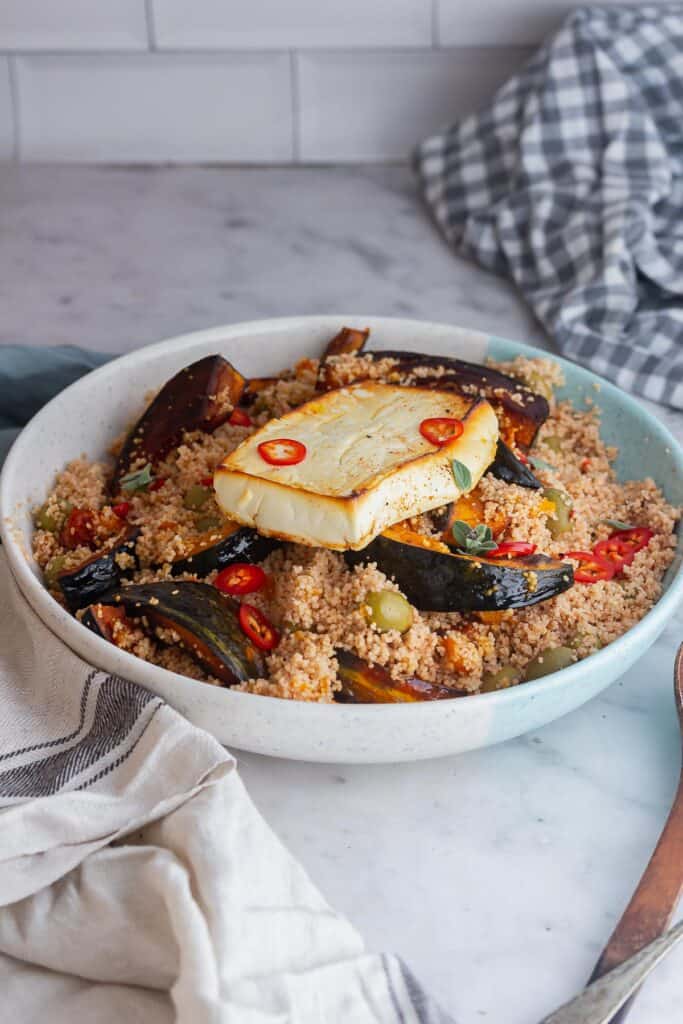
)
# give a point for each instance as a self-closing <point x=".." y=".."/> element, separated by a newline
<point x="652" y="905"/>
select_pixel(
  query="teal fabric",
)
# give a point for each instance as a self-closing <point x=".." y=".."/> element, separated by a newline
<point x="30" y="377"/>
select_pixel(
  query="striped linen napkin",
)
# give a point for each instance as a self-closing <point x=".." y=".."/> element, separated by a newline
<point x="138" y="881"/>
<point x="571" y="183"/>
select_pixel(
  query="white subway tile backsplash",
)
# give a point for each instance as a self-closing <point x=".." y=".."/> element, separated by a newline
<point x="232" y="107"/>
<point x="73" y="25"/>
<point x="214" y="24"/>
<point x="376" y="106"/>
<point x="501" y="22"/>
<point x="6" y="113"/>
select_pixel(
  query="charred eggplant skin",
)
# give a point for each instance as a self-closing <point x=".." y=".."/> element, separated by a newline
<point x="97" y="575"/>
<point x="520" y="411"/>
<point x="362" y="683"/>
<point x="506" y="466"/>
<point x="199" y="397"/>
<point x="241" y="544"/>
<point x="437" y="580"/>
<point x="205" y="620"/>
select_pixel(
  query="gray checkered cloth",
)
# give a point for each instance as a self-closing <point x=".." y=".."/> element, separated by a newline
<point x="571" y="183"/>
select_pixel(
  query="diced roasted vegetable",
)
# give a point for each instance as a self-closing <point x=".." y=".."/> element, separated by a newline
<point x="434" y="578"/>
<point x="200" y="397"/>
<point x="254" y="387"/>
<point x="469" y="508"/>
<point x="346" y="341"/>
<point x="506" y="466"/>
<point x="204" y="620"/>
<point x="103" y="620"/>
<point x="226" y="544"/>
<point x="99" y="573"/>
<point x="362" y="683"/>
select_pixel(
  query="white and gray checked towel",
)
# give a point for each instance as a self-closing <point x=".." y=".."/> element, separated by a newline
<point x="138" y="882"/>
<point x="571" y="183"/>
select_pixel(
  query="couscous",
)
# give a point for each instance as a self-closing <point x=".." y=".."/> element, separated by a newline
<point x="538" y="562"/>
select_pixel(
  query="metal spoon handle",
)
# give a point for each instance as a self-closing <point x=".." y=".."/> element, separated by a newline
<point x="598" y="1003"/>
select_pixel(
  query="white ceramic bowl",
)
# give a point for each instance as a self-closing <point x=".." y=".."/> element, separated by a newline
<point x="87" y="415"/>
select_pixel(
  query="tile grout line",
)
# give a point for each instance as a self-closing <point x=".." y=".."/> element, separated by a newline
<point x="14" y="98"/>
<point x="151" y="27"/>
<point x="296" y="105"/>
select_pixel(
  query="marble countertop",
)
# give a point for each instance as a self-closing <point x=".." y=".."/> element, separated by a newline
<point x="498" y="875"/>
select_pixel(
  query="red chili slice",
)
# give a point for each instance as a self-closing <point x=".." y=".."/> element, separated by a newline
<point x="635" y="539"/>
<point x="238" y="418"/>
<point x="257" y="627"/>
<point x="522" y="457"/>
<point x="513" y="549"/>
<point x="240" y="578"/>
<point x="206" y="481"/>
<point x="591" y="567"/>
<point x="121" y="510"/>
<point x="615" y="551"/>
<point x="282" y="451"/>
<point x="157" y="484"/>
<point x="441" y="429"/>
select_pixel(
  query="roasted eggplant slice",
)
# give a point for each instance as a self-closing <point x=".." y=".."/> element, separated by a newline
<point x="103" y="619"/>
<point x="99" y="573"/>
<point x="348" y="340"/>
<point x="520" y="411"/>
<point x="205" y="621"/>
<point x="200" y="397"/>
<point x="218" y="548"/>
<point x="506" y="466"/>
<point x="436" y="579"/>
<point x="362" y="683"/>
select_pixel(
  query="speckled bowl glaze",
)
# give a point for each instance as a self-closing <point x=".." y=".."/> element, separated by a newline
<point x="87" y="415"/>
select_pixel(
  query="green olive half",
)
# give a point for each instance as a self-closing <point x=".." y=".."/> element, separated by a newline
<point x="389" y="610"/>
<point x="552" y="659"/>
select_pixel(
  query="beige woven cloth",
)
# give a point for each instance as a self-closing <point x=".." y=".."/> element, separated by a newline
<point x="138" y="882"/>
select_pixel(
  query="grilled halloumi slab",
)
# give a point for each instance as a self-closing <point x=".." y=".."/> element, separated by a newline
<point x="366" y="466"/>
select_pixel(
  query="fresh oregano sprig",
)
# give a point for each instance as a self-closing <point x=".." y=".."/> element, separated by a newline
<point x="474" y="540"/>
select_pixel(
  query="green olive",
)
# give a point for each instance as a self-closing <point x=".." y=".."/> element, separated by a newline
<point x="196" y="497"/>
<point x="389" y="610"/>
<point x="53" y="569"/>
<point x="553" y="442"/>
<point x="559" y="523"/>
<point x="552" y="659"/>
<point x="45" y="520"/>
<point x="500" y="680"/>
<point x="206" y="523"/>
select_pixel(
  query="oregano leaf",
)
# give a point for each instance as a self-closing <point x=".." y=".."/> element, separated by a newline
<point x="461" y="475"/>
